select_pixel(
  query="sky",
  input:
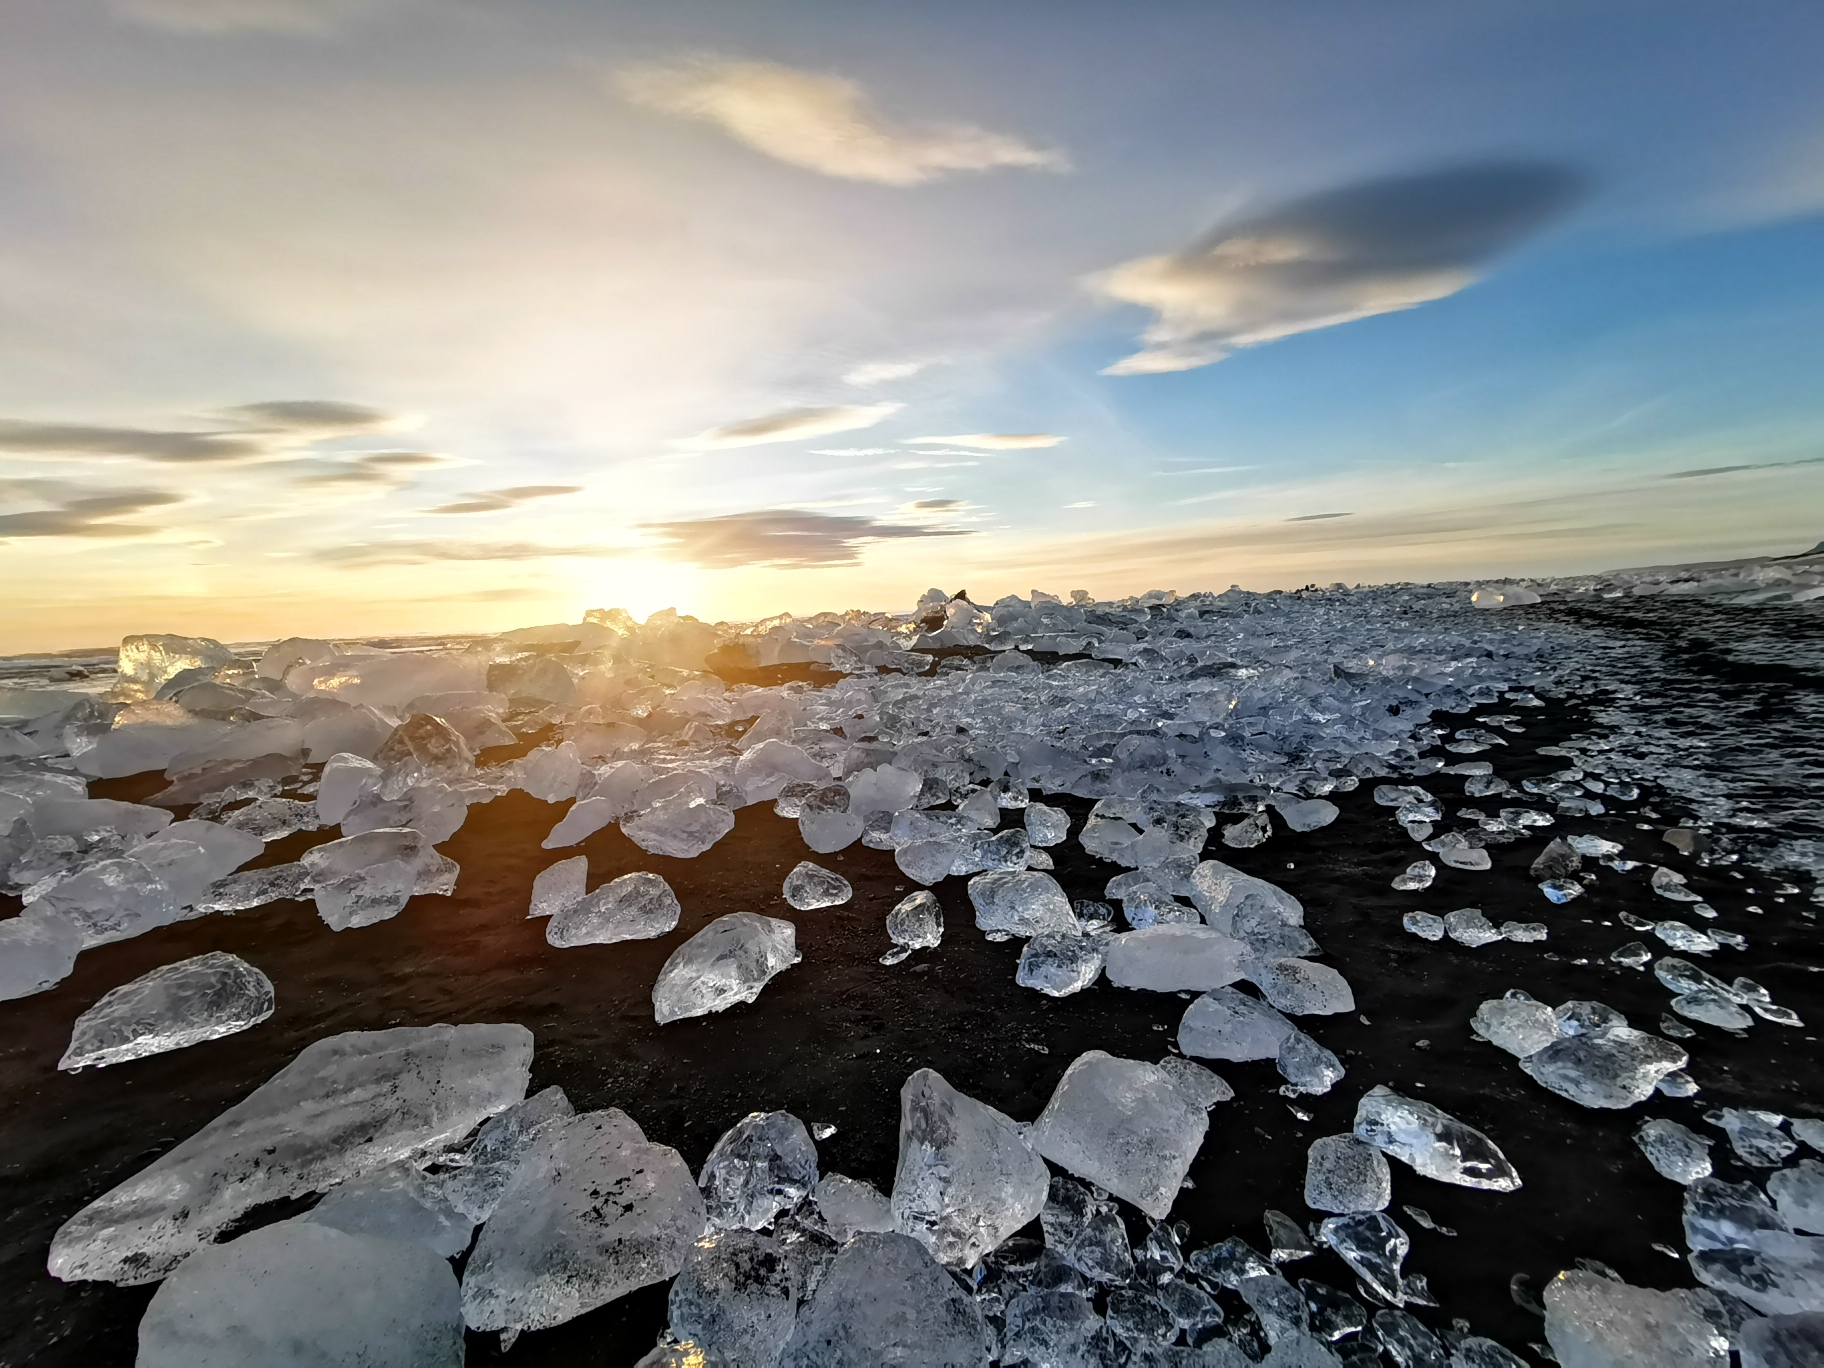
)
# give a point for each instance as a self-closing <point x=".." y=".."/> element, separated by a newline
<point x="356" y="316"/>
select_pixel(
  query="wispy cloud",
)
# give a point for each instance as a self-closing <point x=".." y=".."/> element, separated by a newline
<point x="315" y="419"/>
<point x="991" y="441"/>
<point x="422" y="552"/>
<point x="789" y="425"/>
<point x="1347" y="254"/>
<point x="789" y="537"/>
<point x="856" y="451"/>
<point x="822" y="122"/>
<point x="67" y="509"/>
<point x="305" y="17"/>
<point x="500" y="500"/>
<point x="1732" y="469"/>
<point x="1319" y="517"/>
<point x="249" y="432"/>
<point x="1207" y="470"/>
<point x="880" y="372"/>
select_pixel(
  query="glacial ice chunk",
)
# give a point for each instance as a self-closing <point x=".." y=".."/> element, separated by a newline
<point x="147" y="662"/>
<point x="251" y="888"/>
<point x="38" y="948"/>
<point x="1021" y="902"/>
<point x="1174" y="958"/>
<point x="1307" y="1066"/>
<point x="884" y="1300"/>
<point x="810" y="886"/>
<point x="637" y="906"/>
<point x="347" y="1104"/>
<point x="1755" y="1136"/>
<point x="1596" y="1322"/>
<point x="1432" y="1142"/>
<point x="395" y="1203"/>
<point x="967" y="1178"/>
<point x="1199" y="1084"/>
<point x="1125" y="1126"/>
<point x="828" y="832"/>
<point x="1344" y="1174"/>
<point x="1228" y="1024"/>
<point x="1516" y="1023"/>
<point x="1222" y="893"/>
<point x="926" y="862"/>
<point x="736" y="1300"/>
<point x="1795" y="1341"/>
<point x="1306" y="814"/>
<point x="559" y="885"/>
<point x="1467" y="926"/>
<point x="727" y="963"/>
<point x="1046" y="826"/>
<point x="358" y="881"/>
<point x="1303" y="988"/>
<point x="110" y="900"/>
<point x="916" y="921"/>
<point x="301" y="1294"/>
<point x="1674" y="1151"/>
<point x="1799" y="1194"/>
<point x="1416" y="876"/>
<point x="1425" y="925"/>
<point x="198" y="999"/>
<point x="848" y="1206"/>
<point x="593" y="1212"/>
<point x="1058" y="963"/>
<point x="682" y="827"/>
<point x="1373" y="1246"/>
<point x="1613" y="1068"/>
<point x="345" y="780"/>
<point x="585" y="817"/>
<point x="764" y="1164"/>
<point x="488" y="1160"/>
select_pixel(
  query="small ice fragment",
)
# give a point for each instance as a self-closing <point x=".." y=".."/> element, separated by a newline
<point x="1713" y="1009"/>
<point x="1671" y="1026"/>
<point x="1467" y="926"/>
<point x="559" y="885"/>
<point x="967" y="1178"/>
<point x="1561" y="891"/>
<point x="1423" y="1218"/>
<point x="182" y="1004"/>
<point x="1307" y="1066"/>
<point x="916" y="921"/>
<point x="1524" y="932"/>
<point x="1678" y="1083"/>
<point x="1228" y="1024"/>
<point x="1434" y="1143"/>
<point x="1417" y="875"/>
<point x="1303" y="988"/>
<point x="1755" y="1136"/>
<point x="810" y="886"/>
<point x="725" y="964"/>
<point x="1669" y="883"/>
<point x="1248" y="832"/>
<point x="1674" y="1151"/>
<point x="1517" y="1024"/>
<point x="1425" y="925"/>
<point x="1125" y="1126"/>
<point x="1681" y="937"/>
<point x="1058" y="963"/>
<point x="764" y="1164"/>
<point x="1046" y="826"/>
<point x="1593" y="846"/>
<point x="1373" y="1247"/>
<point x="1344" y="1174"/>
<point x="1199" y="1084"/>
<point x="1635" y="955"/>
<point x="1286" y="1243"/>
<point x="637" y="906"/>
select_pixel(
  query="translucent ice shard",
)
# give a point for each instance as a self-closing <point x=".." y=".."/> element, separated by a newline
<point x="1223" y="893"/>
<point x="593" y="1212"/>
<point x="847" y="1206"/>
<point x="1416" y="875"/>
<point x="1059" y="963"/>
<point x="1755" y="1136"/>
<point x="1021" y="903"/>
<point x="637" y="906"/>
<point x="111" y="900"/>
<point x="395" y="1203"/>
<point x="727" y="963"/>
<point x="1373" y="1246"/>
<point x="559" y="885"/>
<point x="488" y="1160"/>
<point x="1228" y="1024"/>
<point x="1425" y="925"/>
<point x="884" y="1300"/>
<point x="1307" y="1066"/>
<point x="1516" y="1023"/>
<point x="1199" y="1084"/>
<point x="1174" y="958"/>
<point x="1344" y="1174"/>
<point x="1046" y="826"/>
<point x="1434" y="1143"/>
<point x="38" y="948"/>
<point x="764" y="1164"/>
<point x="363" y="879"/>
<point x="347" y="1104"/>
<point x="1596" y="1322"/>
<point x="251" y="888"/>
<point x="1799" y="1194"/>
<point x="967" y="1178"/>
<point x="1613" y="1068"/>
<point x="811" y="886"/>
<point x="1307" y="814"/>
<point x="1303" y="988"/>
<point x="303" y="1295"/>
<point x="1123" y="1125"/>
<point x="1674" y="1151"/>
<point x="736" y="1300"/>
<point x="916" y="921"/>
<point x="1467" y="926"/>
<point x="182" y="1004"/>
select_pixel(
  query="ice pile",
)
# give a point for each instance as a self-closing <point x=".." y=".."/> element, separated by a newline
<point x="1584" y="1051"/>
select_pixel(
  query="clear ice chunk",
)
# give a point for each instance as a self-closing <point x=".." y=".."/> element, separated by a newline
<point x="1432" y="1142"/>
<point x="683" y="827"/>
<point x="1199" y="1084"/>
<point x="1713" y="1009"/>
<point x="1344" y="1175"/>
<point x="1674" y="1151"/>
<point x="358" y="880"/>
<point x="486" y="1164"/>
<point x="637" y="906"/>
<point x="1467" y="926"/>
<point x="1228" y="1024"/>
<point x="1046" y="826"/>
<point x="1123" y="1125"/>
<point x="1613" y="1068"/>
<point x="1021" y="903"/>
<point x="1307" y="1066"/>
<point x="110" y="900"/>
<point x="1174" y="958"/>
<point x="559" y="885"/>
<point x="967" y="1178"/>
<point x="1302" y="988"/>
<point x="1224" y="894"/>
<point x="593" y="1211"/>
<point x="585" y="817"/>
<point x="1798" y="1192"/>
<point x="725" y="964"/>
<point x="1054" y="1326"/>
<point x="927" y="862"/>
<point x="1059" y="963"/>
<point x="1755" y="1136"/>
<point x="202" y="998"/>
<point x="395" y="1203"/>
<point x="848" y="1206"/>
<point x="736" y="1300"/>
<point x="301" y="1294"/>
<point x="810" y="886"/>
<point x="347" y="1104"/>
<point x="764" y="1164"/>
<point x="1516" y="1023"/>
<point x="38" y="948"/>
<point x="1425" y="925"/>
<point x="916" y="921"/>
<point x="1596" y="1322"/>
<point x="885" y="1300"/>
<point x="827" y="832"/>
<point x="1373" y="1246"/>
<point x="1415" y="876"/>
<point x="1307" y="814"/>
<point x="250" y="888"/>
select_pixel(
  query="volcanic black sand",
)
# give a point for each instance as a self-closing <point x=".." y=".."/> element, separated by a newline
<point x="833" y="1039"/>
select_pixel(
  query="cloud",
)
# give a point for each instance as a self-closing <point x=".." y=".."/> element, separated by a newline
<point x="315" y="419"/>
<point x="499" y="500"/>
<point x="992" y="441"/>
<point x="360" y="555"/>
<point x="879" y="372"/>
<point x="1319" y="517"/>
<point x="787" y="537"/>
<point x="856" y="451"/>
<point x="307" y="17"/>
<point x="73" y="513"/>
<point x="247" y="432"/>
<point x="1732" y="469"/>
<point x="789" y="425"/>
<point x="1207" y="470"/>
<point x="936" y="505"/>
<point x="1351" y="253"/>
<point x="821" y="122"/>
<point x="1086" y="503"/>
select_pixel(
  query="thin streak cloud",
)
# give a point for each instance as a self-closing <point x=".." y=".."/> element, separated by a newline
<point x="992" y="441"/>
<point x="500" y="500"/>
<point x="789" y="425"/>
<point x="784" y="537"/>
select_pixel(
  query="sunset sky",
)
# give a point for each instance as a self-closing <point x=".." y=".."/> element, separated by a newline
<point x="352" y="316"/>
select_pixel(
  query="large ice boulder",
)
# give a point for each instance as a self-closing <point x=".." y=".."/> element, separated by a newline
<point x="1125" y="1126"/>
<point x="346" y="1105"/>
<point x="593" y="1212"/>
<point x="886" y="1301"/>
